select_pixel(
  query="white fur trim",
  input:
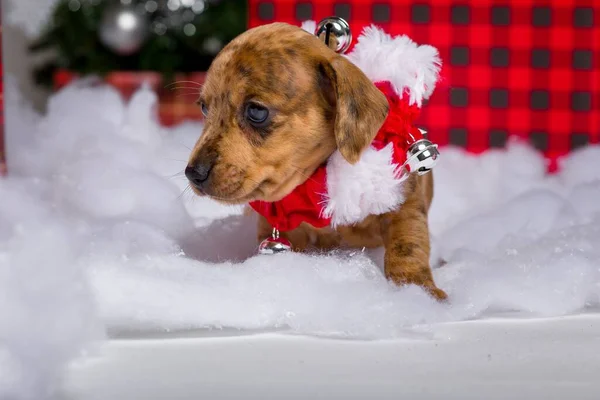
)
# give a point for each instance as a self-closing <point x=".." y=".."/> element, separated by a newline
<point x="412" y="69"/>
<point x="309" y="26"/>
<point x="371" y="186"/>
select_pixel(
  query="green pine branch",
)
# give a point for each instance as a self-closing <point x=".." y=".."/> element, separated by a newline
<point x="73" y="37"/>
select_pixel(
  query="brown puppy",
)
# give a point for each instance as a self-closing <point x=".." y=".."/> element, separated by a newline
<point x="278" y="103"/>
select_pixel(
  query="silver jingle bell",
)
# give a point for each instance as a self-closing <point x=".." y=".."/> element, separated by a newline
<point x="422" y="156"/>
<point x="274" y="244"/>
<point x="339" y="29"/>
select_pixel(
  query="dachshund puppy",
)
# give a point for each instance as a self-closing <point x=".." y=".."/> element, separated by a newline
<point x="278" y="103"/>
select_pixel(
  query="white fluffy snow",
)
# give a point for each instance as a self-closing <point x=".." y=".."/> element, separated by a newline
<point x="96" y="237"/>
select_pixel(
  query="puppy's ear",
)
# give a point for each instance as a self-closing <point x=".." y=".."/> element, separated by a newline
<point x="360" y="108"/>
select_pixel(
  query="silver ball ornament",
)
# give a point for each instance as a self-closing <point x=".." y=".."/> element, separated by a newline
<point x="339" y="29"/>
<point x="123" y="29"/>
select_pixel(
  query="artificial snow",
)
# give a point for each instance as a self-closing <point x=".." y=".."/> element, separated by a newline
<point x="99" y="236"/>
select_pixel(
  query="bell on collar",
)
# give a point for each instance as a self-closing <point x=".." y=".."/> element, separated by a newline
<point x="337" y="28"/>
<point x="422" y="155"/>
<point x="274" y="244"/>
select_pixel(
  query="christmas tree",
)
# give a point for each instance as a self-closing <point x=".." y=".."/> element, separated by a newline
<point x="165" y="36"/>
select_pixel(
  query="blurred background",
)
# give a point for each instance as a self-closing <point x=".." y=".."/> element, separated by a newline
<point x="526" y="69"/>
<point x="48" y="43"/>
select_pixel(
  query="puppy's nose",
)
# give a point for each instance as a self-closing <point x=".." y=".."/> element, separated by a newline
<point x="198" y="174"/>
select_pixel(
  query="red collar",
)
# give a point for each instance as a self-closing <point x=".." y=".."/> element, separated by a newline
<point x="307" y="201"/>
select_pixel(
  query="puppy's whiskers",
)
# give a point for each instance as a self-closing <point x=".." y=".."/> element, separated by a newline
<point x="187" y="190"/>
<point x="187" y="147"/>
<point x="185" y="88"/>
<point x="175" y="159"/>
<point x="304" y="174"/>
<point x="198" y="84"/>
<point x="180" y="86"/>
<point x="174" y="176"/>
<point x="179" y="95"/>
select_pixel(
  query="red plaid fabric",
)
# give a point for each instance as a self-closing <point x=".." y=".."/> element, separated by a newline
<point x="2" y="154"/>
<point x="177" y="101"/>
<point x="528" y="68"/>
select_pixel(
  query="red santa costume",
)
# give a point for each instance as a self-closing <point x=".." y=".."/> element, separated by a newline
<point x="339" y="193"/>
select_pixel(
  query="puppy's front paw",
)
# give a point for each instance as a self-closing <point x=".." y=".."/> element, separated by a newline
<point x="437" y="293"/>
<point x="424" y="280"/>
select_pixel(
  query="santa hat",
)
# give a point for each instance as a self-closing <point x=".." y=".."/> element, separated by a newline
<point x="407" y="73"/>
<point x="372" y="186"/>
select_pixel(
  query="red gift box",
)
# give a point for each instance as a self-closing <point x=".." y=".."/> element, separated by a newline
<point x="528" y="68"/>
<point x="177" y="100"/>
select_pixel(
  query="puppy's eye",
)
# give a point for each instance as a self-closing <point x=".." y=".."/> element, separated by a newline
<point x="257" y="115"/>
<point x="204" y="108"/>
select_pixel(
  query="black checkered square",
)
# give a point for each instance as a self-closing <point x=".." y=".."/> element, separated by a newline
<point x="500" y="15"/>
<point x="382" y="13"/>
<point x="460" y="15"/>
<point x="582" y="60"/>
<point x="499" y="98"/>
<point x="304" y="11"/>
<point x="459" y="56"/>
<point x="581" y="101"/>
<point x="539" y="100"/>
<point x="343" y="10"/>
<point x="499" y="57"/>
<point x="420" y="13"/>
<point x="578" y="140"/>
<point x="458" y="137"/>
<point x="539" y="140"/>
<point x="266" y="11"/>
<point x="498" y="138"/>
<point x="541" y="17"/>
<point x="459" y="97"/>
<point x="583" y="17"/>
<point x="540" y="58"/>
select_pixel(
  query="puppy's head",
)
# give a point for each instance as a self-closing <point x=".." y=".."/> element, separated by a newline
<point x="278" y="103"/>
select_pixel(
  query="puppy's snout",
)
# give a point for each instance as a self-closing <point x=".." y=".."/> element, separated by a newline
<point x="198" y="174"/>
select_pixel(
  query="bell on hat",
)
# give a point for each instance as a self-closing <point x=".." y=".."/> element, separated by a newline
<point x="335" y="32"/>
<point x="422" y="155"/>
<point x="274" y="244"/>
